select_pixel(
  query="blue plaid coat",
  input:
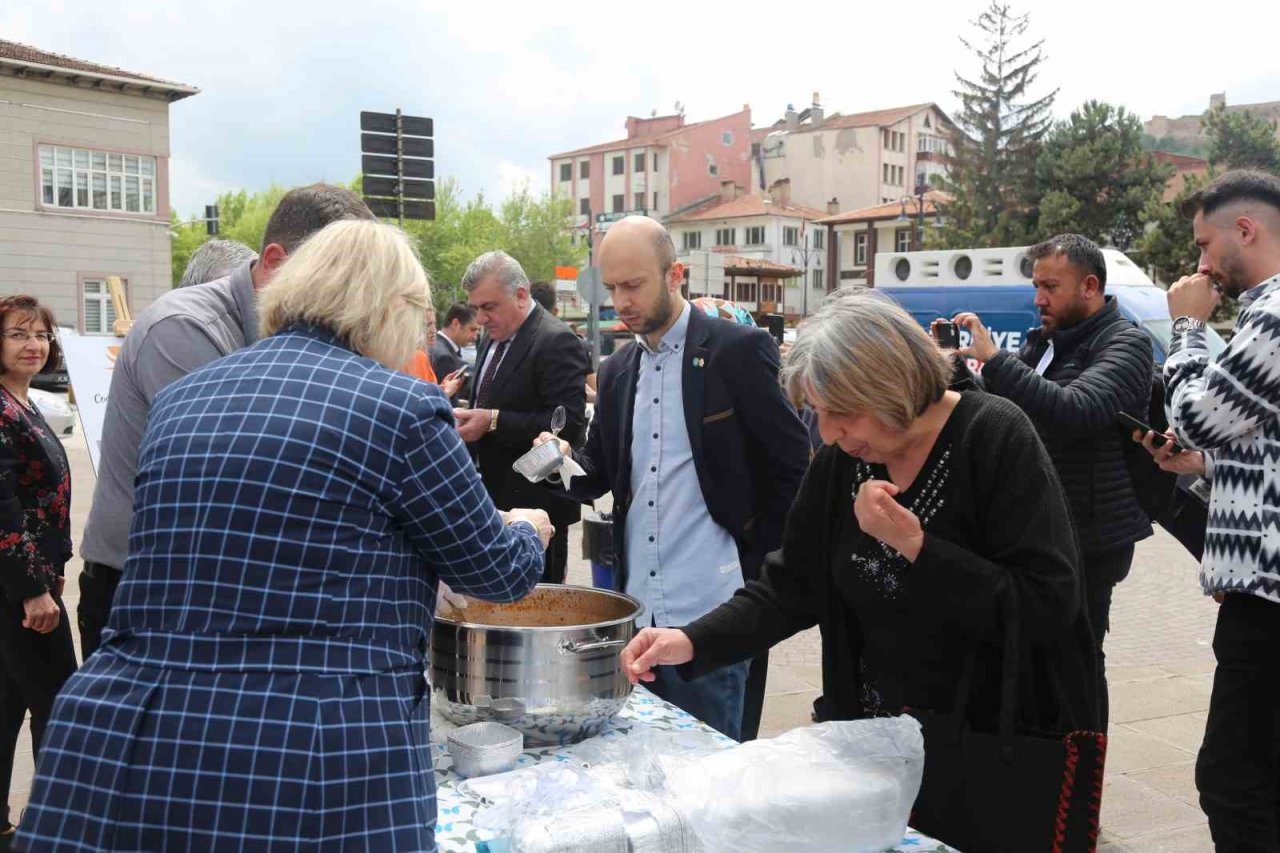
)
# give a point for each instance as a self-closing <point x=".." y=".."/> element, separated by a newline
<point x="261" y="685"/>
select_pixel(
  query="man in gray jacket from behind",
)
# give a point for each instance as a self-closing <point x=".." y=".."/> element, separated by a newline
<point x="182" y="330"/>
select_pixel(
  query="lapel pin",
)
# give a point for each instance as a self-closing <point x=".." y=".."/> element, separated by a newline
<point x="699" y="362"/>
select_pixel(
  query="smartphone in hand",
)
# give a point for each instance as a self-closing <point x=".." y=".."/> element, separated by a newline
<point x="946" y="334"/>
<point x="1133" y="423"/>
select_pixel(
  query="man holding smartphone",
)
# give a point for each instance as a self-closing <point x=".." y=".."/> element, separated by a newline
<point x="1084" y="364"/>
<point x="458" y="330"/>
<point x="1229" y="407"/>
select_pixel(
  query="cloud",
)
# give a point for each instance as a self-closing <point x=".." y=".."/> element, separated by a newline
<point x="191" y="189"/>
<point x="512" y="177"/>
<point x="510" y="83"/>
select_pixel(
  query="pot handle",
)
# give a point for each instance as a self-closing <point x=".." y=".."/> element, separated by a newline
<point x="572" y="646"/>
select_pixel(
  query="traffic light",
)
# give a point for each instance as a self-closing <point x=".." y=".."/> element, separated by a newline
<point x="211" y="219"/>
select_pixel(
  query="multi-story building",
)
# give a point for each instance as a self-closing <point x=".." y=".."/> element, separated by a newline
<point x="847" y="162"/>
<point x="856" y="236"/>
<point x="662" y="166"/>
<point x="768" y="238"/>
<point x="84" y="183"/>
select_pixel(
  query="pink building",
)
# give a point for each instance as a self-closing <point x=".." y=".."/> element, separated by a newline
<point x="663" y="166"/>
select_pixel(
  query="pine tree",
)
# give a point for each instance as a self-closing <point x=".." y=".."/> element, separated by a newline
<point x="1094" y="178"/>
<point x="1241" y="140"/>
<point x="991" y="178"/>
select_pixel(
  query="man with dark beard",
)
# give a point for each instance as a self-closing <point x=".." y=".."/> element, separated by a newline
<point x="1084" y="364"/>
<point x="703" y="454"/>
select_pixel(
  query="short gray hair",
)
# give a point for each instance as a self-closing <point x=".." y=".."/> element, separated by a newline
<point x="497" y="263"/>
<point x="861" y="353"/>
<point x="216" y="259"/>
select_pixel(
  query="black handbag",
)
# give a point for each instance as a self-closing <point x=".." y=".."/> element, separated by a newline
<point x="1012" y="791"/>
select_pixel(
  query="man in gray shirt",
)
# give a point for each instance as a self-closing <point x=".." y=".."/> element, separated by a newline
<point x="181" y="331"/>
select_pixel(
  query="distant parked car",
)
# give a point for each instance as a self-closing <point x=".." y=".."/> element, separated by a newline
<point x="56" y="379"/>
<point x="55" y="409"/>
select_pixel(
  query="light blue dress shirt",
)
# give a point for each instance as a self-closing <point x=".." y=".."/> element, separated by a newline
<point x="680" y="563"/>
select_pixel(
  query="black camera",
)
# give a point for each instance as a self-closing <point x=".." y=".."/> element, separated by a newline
<point x="946" y="334"/>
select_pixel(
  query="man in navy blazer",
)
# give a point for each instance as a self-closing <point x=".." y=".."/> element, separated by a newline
<point x="703" y="455"/>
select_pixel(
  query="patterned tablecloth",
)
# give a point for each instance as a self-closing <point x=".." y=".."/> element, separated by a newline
<point x="457" y="808"/>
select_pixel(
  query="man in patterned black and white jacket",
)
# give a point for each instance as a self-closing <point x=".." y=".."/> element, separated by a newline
<point x="1229" y="407"/>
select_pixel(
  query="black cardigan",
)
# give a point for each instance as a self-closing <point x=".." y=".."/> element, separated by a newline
<point x="1004" y="526"/>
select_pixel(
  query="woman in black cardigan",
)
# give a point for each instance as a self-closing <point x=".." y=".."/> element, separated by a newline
<point x="36" y="651"/>
<point x="925" y="508"/>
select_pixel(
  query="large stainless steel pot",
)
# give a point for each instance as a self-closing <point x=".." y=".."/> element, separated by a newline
<point x="548" y="665"/>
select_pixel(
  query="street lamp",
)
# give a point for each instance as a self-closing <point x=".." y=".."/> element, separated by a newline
<point x="917" y="233"/>
<point x="802" y="254"/>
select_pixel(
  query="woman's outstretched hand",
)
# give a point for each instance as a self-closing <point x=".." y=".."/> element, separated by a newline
<point x="654" y="647"/>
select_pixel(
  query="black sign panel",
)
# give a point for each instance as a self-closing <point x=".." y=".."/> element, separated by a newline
<point x="386" y="123"/>
<point x="387" y="187"/>
<point x="411" y="146"/>
<point x="375" y="164"/>
<point x="386" y="208"/>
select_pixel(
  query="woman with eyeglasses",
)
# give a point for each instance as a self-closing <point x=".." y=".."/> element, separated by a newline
<point x="36" y="653"/>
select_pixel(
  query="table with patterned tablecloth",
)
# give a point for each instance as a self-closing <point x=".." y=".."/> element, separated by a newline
<point x="457" y="807"/>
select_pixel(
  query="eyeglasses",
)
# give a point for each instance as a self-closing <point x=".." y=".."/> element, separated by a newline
<point x="20" y="337"/>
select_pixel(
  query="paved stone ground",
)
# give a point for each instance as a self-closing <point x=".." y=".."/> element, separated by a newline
<point x="1160" y="661"/>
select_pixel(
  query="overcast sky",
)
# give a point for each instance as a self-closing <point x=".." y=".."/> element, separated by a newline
<point x="509" y="83"/>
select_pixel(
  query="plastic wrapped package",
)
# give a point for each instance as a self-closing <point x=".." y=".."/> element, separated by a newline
<point x="835" y="786"/>
<point x="845" y="786"/>
<point x="605" y="797"/>
<point x="641" y="760"/>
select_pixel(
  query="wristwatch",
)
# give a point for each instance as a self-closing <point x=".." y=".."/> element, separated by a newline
<point x="493" y="420"/>
<point x="1187" y="324"/>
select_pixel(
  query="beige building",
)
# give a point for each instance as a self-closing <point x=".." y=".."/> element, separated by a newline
<point x="775" y="258"/>
<point x="857" y="236"/>
<point x="845" y="162"/>
<point x="84" y="183"/>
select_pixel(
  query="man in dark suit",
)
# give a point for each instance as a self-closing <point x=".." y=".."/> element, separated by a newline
<point x="529" y="364"/>
<point x="459" y="330"/>
<point x="703" y="454"/>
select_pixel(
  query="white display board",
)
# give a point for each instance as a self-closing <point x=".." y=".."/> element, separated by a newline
<point x="90" y="362"/>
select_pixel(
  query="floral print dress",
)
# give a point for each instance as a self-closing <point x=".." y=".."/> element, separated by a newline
<point x="35" y="501"/>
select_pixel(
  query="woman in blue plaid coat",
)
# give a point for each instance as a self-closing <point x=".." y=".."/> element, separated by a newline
<point x="260" y="685"/>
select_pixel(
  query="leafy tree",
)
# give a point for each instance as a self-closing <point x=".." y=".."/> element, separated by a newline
<point x="1094" y="178"/>
<point x="1241" y="140"/>
<point x="536" y="234"/>
<point x="1001" y="130"/>
<point x="242" y="216"/>
<point x="532" y="229"/>
<point x="1166" y="246"/>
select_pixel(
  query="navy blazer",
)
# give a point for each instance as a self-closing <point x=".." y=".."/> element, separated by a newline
<point x="544" y="367"/>
<point x="750" y="449"/>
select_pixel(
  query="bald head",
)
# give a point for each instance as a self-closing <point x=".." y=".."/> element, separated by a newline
<point x="638" y="267"/>
<point x="642" y="234"/>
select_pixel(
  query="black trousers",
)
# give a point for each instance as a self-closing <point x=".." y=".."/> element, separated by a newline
<point x="33" y="668"/>
<point x="1238" y="769"/>
<point x="1102" y="571"/>
<point x="557" y="556"/>
<point x="753" y="699"/>
<point x="97" y="590"/>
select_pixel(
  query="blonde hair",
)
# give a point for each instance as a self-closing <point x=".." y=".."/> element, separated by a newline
<point x="860" y="353"/>
<point x="360" y="279"/>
